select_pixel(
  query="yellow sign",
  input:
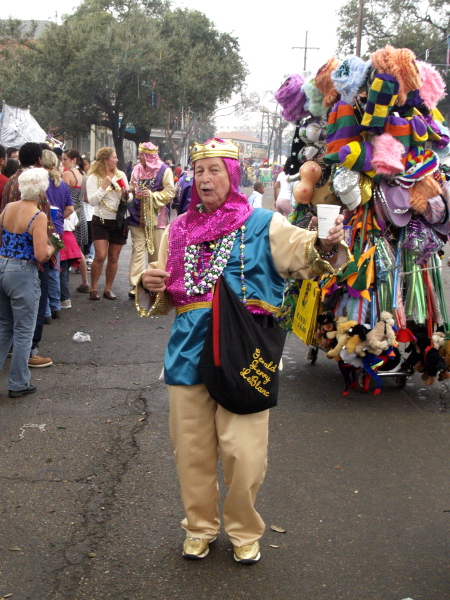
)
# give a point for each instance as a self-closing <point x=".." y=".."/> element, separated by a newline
<point x="304" y="322"/>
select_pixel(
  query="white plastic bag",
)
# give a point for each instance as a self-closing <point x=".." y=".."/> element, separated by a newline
<point x="81" y="337"/>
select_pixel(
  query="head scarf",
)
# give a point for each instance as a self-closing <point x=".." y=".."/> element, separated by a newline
<point x="194" y="227"/>
<point x="152" y="162"/>
<point x="203" y="227"/>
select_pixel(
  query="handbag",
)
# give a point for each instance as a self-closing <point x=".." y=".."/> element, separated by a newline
<point x="122" y="218"/>
<point x="239" y="363"/>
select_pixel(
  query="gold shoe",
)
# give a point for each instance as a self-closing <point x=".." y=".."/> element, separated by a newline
<point x="195" y="548"/>
<point x="247" y="555"/>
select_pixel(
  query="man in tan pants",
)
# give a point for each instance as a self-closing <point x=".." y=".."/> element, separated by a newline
<point x="255" y="250"/>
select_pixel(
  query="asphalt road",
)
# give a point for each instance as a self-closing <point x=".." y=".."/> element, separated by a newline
<point x="89" y="497"/>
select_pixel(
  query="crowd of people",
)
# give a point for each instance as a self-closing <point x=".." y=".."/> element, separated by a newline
<point x="87" y="197"/>
<point x="56" y="205"/>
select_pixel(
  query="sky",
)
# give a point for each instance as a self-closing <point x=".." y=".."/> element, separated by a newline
<point x="266" y="37"/>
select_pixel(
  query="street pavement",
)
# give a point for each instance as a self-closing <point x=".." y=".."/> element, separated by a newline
<point x="89" y="498"/>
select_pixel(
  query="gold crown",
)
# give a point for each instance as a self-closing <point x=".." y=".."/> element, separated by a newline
<point x="213" y="148"/>
<point x="147" y="150"/>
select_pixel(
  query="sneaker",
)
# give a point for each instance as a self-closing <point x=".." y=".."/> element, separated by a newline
<point x="247" y="555"/>
<point x="196" y="548"/>
<point x="84" y="288"/>
<point x="89" y="261"/>
<point x="18" y="393"/>
<point x="67" y="303"/>
<point x="38" y="362"/>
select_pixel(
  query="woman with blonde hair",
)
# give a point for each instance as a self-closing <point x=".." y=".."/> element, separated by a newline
<point x="75" y="178"/>
<point x="58" y="195"/>
<point x="24" y="243"/>
<point x="106" y="188"/>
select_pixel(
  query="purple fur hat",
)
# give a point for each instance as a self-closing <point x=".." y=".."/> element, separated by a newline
<point x="292" y="99"/>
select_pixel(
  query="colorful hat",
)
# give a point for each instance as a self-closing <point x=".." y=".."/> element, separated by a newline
<point x="350" y="76"/>
<point x="382" y="95"/>
<point x="419" y="164"/>
<point x="392" y="204"/>
<point x="357" y="156"/>
<point x="314" y="99"/>
<point x="409" y="131"/>
<point x="346" y="186"/>
<point x="387" y="155"/>
<point x="342" y="129"/>
<point x="444" y="227"/>
<point x="325" y="84"/>
<point x="291" y="97"/>
<point x="401" y="64"/>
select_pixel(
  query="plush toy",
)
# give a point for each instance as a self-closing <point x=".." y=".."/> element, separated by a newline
<point x="326" y="325"/>
<point x="356" y="341"/>
<point x="445" y="353"/>
<point x="342" y="337"/>
<point x="310" y="174"/>
<point x="354" y="354"/>
<point x="431" y="363"/>
<point x="438" y="340"/>
<point x="382" y="335"/>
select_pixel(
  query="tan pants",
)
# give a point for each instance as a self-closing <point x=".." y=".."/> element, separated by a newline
<point x="139" y="251"/>
<point x="201" y="431"/>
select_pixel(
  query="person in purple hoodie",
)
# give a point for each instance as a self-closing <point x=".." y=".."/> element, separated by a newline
<point x="153" y="188"/>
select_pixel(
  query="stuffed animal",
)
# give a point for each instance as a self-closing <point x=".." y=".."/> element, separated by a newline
<point x="445" y="353"/>
<point x="354" y="354"/>
<point x="356" y="341"/>
<point x="431" y="363"/>
<point x="342" y="337"/>
<point x="438" y="340"/>
<point x="382" y="335"/>
<point x="326" y="325"/>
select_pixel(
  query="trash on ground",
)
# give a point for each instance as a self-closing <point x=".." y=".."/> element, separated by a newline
<point x="79" y="336"/>
<point x="277" y="528"/>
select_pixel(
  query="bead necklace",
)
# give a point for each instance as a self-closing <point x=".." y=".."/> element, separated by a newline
<point x="197" y="264"/>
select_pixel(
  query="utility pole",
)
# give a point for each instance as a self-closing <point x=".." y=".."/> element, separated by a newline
<point x="359" y="28"/>
<point x="305" y="48"/>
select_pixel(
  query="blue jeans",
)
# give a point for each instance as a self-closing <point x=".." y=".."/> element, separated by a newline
<point x="43" y="279"/>
<point x="64" y="279"/>
<point x="19" y="300"/>
<point x="54" y="286"/>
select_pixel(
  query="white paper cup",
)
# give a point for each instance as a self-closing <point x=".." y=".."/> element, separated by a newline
<point x="326" y="215"/>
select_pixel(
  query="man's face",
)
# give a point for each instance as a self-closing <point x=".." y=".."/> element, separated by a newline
<point x="141" y="158"/>
<point x="15" y="155"/>
<point x="212" y="182"/>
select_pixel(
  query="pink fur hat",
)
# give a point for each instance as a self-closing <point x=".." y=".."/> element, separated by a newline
<point x="433" y="86"/>
<point x="387" y="155"/>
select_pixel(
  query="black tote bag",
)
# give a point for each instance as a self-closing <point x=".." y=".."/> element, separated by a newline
<point x="239" y="363"/>
<point x="122" y="218"/>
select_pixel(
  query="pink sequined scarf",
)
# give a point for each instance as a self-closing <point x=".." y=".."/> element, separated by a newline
<point x="204" y="227"/>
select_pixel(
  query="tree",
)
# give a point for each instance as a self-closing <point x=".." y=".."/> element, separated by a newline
<point x="202" y="67"/>
<point x="115" y="62"/>
<point x="420" y="26"/>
